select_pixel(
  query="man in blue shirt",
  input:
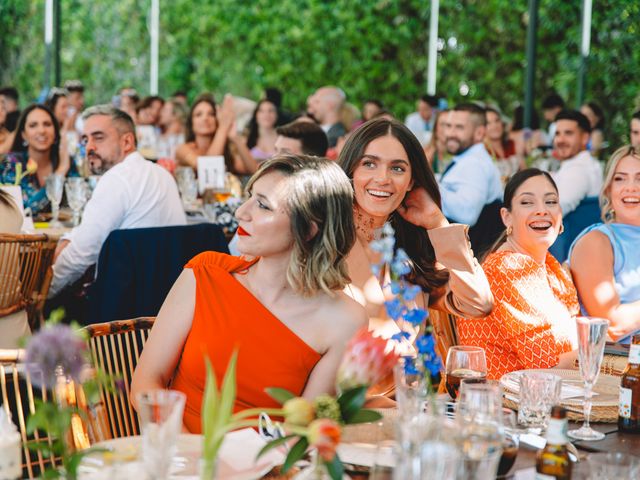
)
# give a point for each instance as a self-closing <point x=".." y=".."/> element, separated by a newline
<point x="471" y="180"/>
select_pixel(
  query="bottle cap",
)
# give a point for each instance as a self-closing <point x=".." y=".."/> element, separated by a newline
<point x="558" y="411"/>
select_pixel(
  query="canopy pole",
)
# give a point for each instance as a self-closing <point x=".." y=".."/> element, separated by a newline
<point x="155" y="34"/>
<point x="48" y="40"/>
<point x="532" y="40"/>
<point x="587" y="7"/>
<point x="433" y="47"/>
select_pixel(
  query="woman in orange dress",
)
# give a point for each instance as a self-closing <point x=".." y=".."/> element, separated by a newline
<point x="283" y="309"/>
<point x="532" y="324"/>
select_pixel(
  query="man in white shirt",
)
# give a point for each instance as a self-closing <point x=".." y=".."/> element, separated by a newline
<point x="132" y="193"/>
<point x="471" y="180"/>
<point x="421" y="122"/>
<point x="579" y="175"/>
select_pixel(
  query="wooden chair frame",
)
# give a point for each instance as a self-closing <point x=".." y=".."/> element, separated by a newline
<point x="25" y="274"/>
<point x="116" y="348"/>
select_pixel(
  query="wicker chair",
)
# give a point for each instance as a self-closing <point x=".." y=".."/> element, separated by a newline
<point x="116" y="348"/>
<point x="444" y="331"/>
<point x="25" y="274"/>
<point x="18" y="396"/>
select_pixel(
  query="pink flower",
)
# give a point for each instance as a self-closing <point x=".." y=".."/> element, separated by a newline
<point x="324" y="435"/>
<point x="298" y="411"/>
<point x="366" y="361"/>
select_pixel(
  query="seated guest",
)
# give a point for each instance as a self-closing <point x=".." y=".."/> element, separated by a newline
<point x="261" y="134"/>
<point x="499" y="146"/>
<point x="132" y="193"/>
<point x="634" y="130"/>
<point x="6" y="137"/>
<point x="14" y="325"/>
<point x="301" y="138"/>
<point x="436" y="149"/>
<point x="531" y="325"/>
<point x="213" y="132"/>
<point x="579" y="175"/>
<point x="281" y="307"/>
<point x="604" y="259"/>
<point x="552" y="105"/>
<point x="38" y="140"/>
<point x="392" y="182"/>
<point x="421" y="122"/>
<point x="173" y="117"/>
<point x="526" y="140"/>
<point x="471" y="180"/>
<point x="595" y="115"/>
<point x="325" y="106"/>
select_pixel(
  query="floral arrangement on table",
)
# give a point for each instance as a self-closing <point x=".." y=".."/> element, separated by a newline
<point x="316" y="424"/>
<point x="415" y="334"/>
<point x="55" y="355"/>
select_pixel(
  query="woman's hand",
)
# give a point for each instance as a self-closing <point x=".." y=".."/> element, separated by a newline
<point x="420" y="209"/>
<point x="64" y="162"/>
<point x="226" y="114"/>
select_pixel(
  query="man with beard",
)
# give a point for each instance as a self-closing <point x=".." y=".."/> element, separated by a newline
<point x="471" y="180"/>
<point x="579" y="175"/>
<point x="132" y="193"/>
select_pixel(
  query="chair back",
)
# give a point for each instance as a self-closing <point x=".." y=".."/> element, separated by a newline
<point x="444" y="331"/>
<point x="137" y="268"/>
<point x="586" y="214"/>
<point x="116" y="347"/>
<point x="25" y="274"/>
<point x="18" y="397"/>
<point x="487" y="229"/>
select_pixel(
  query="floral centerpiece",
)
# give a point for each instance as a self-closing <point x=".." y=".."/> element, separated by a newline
<point x="307" y="423"/>
<point x="56" y="357"/>
<point x="415" y="337"/>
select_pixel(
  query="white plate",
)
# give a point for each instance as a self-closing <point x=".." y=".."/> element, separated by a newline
<point x="236" y="458"/>
<point x="605" y="390"/>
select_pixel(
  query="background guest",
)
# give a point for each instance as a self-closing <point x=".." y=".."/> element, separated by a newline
<point x="261" y="131"/>
<point x="173" y="119"/>
<point x="552" y="105"/>
<point x="325" y="105"/>
<point x="436" y="150"/>
<point x="38" y="140"/>
<point x="501" y="148"/>
<point x="604" y="259"/>
<point x="595" y="115"/>
<point x="531" y="325"/>
<point x="634" y="130"/>
<point x="11" y="103"/>
<point x="6" y="137"/>
<point x="421" y="122"/>
<point x="526" y="141"/>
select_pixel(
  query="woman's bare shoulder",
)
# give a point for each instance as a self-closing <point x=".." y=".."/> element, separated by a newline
<point x="346" y="315"/>
<point x="592" y="242"/>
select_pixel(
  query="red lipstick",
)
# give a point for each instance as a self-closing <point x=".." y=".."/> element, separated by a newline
<point x="242" y="232"/>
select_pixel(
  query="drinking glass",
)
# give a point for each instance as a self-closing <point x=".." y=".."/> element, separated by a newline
<point x="411" y="388"/>
<point x="76" y="189"/>
<point x="510" y="443"/>
<point x="187" y="184"/>
<point x="592" y="335"/>
<point x="480" y="430"/>
<point x="613" y="466"/>
<point x="161" y="421"/>
<point x="539" y="391"/>
<point x="464" y="362"/>
<point x="54" y="186"/>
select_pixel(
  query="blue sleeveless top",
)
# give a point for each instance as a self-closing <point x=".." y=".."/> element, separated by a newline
<point x="625" y="241"/>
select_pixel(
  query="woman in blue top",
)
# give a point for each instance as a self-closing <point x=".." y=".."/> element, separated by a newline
<point x="38" y="140"/>
<point x="605" y="258"/>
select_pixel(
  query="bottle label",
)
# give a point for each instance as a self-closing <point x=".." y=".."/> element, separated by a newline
<point x="542" y="476"/>
<point x="634" y="354"/>
<point x="624" y="402"/>
<point x="557" y="431"/>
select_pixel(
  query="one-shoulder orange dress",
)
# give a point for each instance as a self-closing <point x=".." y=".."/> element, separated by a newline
<point x="227" y="316"/>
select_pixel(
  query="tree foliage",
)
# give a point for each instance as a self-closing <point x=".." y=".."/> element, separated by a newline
<point x="371" y="48"/>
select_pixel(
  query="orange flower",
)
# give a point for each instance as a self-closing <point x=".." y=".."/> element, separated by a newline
<point x="324" y="435"/>
<point x="32" y="167"/>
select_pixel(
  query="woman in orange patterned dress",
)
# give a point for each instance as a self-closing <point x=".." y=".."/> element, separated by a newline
<point x="283" y="309"/>
<point x="532" y="324"/>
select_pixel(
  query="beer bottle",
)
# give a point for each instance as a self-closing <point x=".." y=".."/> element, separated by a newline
<point x="552" y="462"/>
<point x="629" y="402"/>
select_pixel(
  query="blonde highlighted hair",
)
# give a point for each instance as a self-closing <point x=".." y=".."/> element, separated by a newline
<point x="606" y="210"/>
<point x="320" y="204"/>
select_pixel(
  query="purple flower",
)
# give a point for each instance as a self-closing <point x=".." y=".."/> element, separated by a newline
<point x="415" y="316"/>
<point x="425" y="344"/>
<point x="55" y="346"/>
<point x="395" y="308"/>
<point x="410" y="367"/>
<point x="411" y="292"/>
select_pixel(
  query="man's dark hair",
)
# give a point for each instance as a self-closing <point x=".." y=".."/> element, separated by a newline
<point x="477" y="112"/>
<point x="74" y="86"/>
<point x="430" y="99"/>
<point x="10" y="92"/>
<point x="576" y="116"/>
<point x="274" y="95"/>
<point x="518" y="119"/>
<point x="376" y="102"/>
<point x="552" y="101"/>
<point x="636" y="115"/>
<point x="312" y="137"/>
<point x="179" y="93"/>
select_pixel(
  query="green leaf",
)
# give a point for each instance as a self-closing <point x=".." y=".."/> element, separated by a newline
<point x="228" y="393"/>
<point x="295" y="454"/>
<point x="335" y="468"/>
<point x="364" y="416"/>
<point x="351" y="401"/>
<point x="280" y="395"/>
<point x="273" y="444"/>
<point x="209" y="409"/>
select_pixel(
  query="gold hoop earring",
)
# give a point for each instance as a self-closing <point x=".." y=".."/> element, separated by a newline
<point x="561" y="228"/>
<point x="612" y="214"/>
<point x="509" y="230"/>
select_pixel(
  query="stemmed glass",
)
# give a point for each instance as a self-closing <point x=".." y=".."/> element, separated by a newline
<point x="592" y="336"/>
<point x="187" y="185"/>
<point x="54" y="186"/>
<point x="464" y="362"/>
<point x="76" y="189"/>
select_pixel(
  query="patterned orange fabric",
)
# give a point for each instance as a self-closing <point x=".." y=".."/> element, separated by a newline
<point x="532" y="321"/>
<point x="227" y="316"/>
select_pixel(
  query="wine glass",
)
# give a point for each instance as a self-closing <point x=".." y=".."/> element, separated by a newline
<point x="592" y="335"/>
<point x="510" y="443"/>
<point x="76" y="189"/>
<point x="467" y="362"/>
<point x="54" y="186"/>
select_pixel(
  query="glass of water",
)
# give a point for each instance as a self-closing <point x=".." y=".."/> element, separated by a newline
<point x="54" y="186"/>
<point x="76" y="189"/>
<point x="539" y="391"/>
